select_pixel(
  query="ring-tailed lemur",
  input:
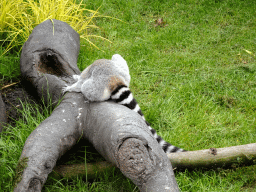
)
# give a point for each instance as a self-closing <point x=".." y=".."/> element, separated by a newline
<point x="109" y="80"/>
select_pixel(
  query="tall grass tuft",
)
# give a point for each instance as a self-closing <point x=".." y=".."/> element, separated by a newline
<point x="19" y="17"/>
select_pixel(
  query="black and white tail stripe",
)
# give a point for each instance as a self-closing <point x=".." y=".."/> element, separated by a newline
<point x="122" y="95"/>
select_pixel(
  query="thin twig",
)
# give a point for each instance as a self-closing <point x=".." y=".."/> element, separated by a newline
<point x="9" y="85"/>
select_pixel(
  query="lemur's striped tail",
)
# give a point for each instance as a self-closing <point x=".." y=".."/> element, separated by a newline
<point x="122" y="95"/>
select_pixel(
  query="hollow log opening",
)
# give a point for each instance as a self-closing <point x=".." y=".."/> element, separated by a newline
<point x="50" y="63"/>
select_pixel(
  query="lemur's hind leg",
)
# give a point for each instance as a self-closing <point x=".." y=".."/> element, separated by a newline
<point x="76" y="87"/>
<point x="95" y="90"/>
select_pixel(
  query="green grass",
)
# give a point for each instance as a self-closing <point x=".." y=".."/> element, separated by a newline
<point x="194" y="81"/>
<point x="9" y="67"/>
<point x="19" y="17"/>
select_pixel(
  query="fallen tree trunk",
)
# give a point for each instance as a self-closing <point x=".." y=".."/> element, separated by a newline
<point x="121" y="136"/>
<point x="208" y="158"/>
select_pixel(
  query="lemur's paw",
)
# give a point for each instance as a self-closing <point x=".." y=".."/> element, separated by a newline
<point x="65" y="89"/>
<point x="76" y="77"/>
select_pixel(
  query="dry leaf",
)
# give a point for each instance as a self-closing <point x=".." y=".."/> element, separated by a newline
<point x="160" y="22"/>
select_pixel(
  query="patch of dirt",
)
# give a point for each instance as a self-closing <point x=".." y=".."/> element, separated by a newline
<point x="13" y="96"/>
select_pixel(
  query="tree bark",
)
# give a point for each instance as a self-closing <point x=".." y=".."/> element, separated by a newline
<point x="119" y="135"/>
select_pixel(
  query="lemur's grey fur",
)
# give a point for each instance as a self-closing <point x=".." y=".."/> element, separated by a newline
<point x="109" y="79"/>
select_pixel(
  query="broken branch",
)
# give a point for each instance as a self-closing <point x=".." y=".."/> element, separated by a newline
<point x="207" y="158"/>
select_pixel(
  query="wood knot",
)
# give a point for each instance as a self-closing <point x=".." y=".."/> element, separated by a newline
<point x="213" y="151"/>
